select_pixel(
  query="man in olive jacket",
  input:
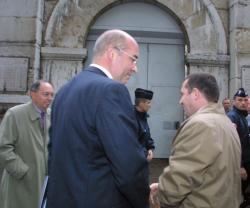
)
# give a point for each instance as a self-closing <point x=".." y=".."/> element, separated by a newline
<point x="23" y="149"/>
<point x="204" y="166"/>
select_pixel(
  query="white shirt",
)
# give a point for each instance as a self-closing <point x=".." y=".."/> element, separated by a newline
<point x="105" y="71"/>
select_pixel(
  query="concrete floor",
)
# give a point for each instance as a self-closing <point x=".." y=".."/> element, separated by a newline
<point x="156" y="167"/>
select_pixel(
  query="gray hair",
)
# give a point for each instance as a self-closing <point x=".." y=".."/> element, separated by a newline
<point x="113" y="38"/>
<point x="36" y="85"/>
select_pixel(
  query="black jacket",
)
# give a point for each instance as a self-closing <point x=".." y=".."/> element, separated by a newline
<point x="144" y="132"/>
<point x="239" y="118"/>
<point x="96" y="160"/>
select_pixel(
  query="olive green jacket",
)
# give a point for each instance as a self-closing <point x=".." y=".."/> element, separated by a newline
<point x="23" y="156"/>
<point x="204" y="166"/>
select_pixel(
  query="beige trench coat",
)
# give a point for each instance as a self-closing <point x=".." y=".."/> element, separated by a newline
<point x="23" y="155"/>
<point x="204" y="165"/>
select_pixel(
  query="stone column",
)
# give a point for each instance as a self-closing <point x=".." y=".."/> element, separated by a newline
<point x="239" y="45"/>
<point x="234" y="75"/>
<point x="38" y="38"/>
<point x="59" y="65"/>
<point x="216" y="65"/>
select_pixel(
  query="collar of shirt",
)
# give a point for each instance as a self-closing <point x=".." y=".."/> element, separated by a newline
<point x="38" y="110"/>
<point x="105" y="71"/>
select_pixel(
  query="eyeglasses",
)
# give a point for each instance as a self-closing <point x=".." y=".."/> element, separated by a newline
<point x="47" y="94"/>
<point x="134" y="59"/>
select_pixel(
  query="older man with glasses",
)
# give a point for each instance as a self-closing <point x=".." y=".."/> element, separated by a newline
<point x="94" y="134"/>
<point x="24" y="139"/>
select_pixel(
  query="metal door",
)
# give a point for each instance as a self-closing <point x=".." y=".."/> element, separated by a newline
<point x="161" y="69"/>
<point x="160" y="65"/>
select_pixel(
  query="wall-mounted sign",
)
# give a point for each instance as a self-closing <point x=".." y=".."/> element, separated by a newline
<point x="13" y="74"/>
<point x="246" y="78"/>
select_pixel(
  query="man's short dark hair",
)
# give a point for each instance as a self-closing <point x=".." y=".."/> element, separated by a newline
<point x="206" y="84"/>
<point x="36" y="85"/>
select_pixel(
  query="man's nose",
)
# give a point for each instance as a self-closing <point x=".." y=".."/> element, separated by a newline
<point x="135" y="69"/>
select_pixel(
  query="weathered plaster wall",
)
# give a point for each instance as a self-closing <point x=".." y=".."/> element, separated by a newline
<point x="17" y="40"/>
<point x="222" y="9"/>
<point x="214" y="30"/>
<point x="70" y="20"/>
<point x="239" y="44"/>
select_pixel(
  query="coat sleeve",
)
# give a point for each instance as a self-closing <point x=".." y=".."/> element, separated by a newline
<point x="194" y="149"/>
<point x="9" y="160"/>
<point x="243" y="135"/>
<point x="150" y="141"/>
<point x="233" y="118"/>
<point x="117" y="128"/>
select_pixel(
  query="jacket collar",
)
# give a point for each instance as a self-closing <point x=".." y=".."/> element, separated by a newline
<point x="141" y="114"/>
<point x="210" y="108"/>
<point x="241" y="112"/>
<point x="99" y="70"/>
<point x="33" y="113"/>
<point x="103" y="69"/>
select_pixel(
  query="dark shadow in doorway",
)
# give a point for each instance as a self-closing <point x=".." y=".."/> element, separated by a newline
<point x="156" y="167"/>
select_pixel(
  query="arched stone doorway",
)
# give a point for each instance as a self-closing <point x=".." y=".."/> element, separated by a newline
<point x="66" y="44"/>
<point x="160" y="65"/>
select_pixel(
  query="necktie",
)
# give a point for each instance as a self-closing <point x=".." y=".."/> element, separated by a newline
<point x="42" y="119"/>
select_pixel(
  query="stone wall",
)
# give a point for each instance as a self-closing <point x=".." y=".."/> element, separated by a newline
<point x="18" y="45"/>
<point x="51" y="34"/>
<point x="239" y="32"/>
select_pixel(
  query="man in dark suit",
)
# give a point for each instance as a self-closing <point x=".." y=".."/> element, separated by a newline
<point x="95" y="159"/>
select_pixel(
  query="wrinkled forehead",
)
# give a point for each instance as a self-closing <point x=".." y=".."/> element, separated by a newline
<point x="45" y="87"/>
<point x="227" y="101"/>
<point x="241" y="99"/>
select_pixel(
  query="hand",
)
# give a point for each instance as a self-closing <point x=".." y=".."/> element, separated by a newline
<point x="243" y="173"/>
<point x="150" y="155"/>
<point x="153" y="192"/>
<point x="234" y="125"/>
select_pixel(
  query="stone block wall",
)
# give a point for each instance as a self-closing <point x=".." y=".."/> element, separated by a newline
<point x="213" y="28"/>
<point x="239" y="31"/>
<point x="18" y="21"/>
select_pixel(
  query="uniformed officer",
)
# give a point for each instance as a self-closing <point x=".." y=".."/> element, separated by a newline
<point x="143" y="99"/>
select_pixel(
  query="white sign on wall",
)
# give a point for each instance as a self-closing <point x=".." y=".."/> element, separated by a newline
<point x="246" y="78"/>
<point x="13" y="74"/>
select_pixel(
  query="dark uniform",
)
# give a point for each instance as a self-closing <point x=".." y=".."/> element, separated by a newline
<point x="144" y="132"/>
<point x="238" y="117"/>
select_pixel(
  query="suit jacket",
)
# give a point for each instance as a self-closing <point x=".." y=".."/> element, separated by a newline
<point x="96" y="160"/>
<point x="23" y="155"/>
<point x="204" y="165"/>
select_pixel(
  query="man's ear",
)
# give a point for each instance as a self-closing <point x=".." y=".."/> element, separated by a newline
<point x="31" y="94"/>
<point x="110" y="53"/>
<point x="233" y="102"/>
<point x="196" y="93"/>
<point x="28" y="93"/>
